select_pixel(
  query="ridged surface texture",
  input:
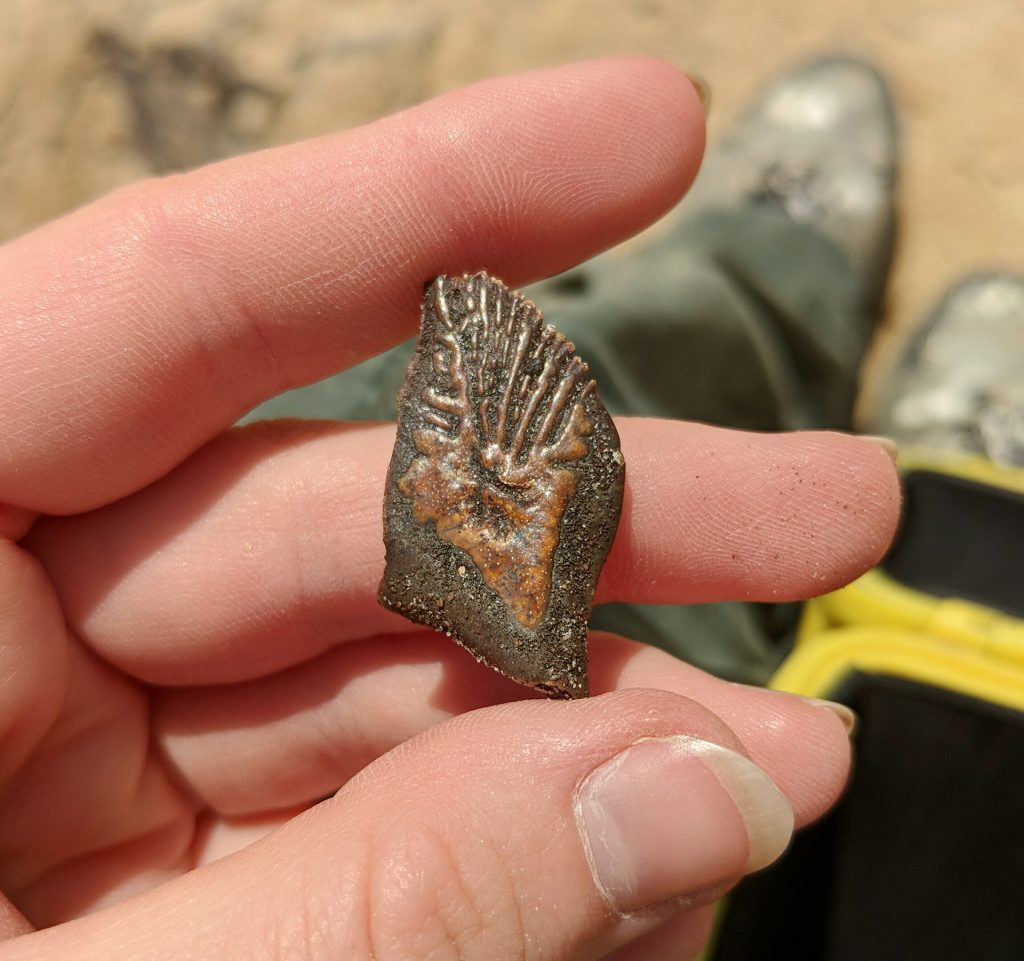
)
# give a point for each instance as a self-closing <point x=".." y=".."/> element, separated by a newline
<point x="505" y="486"/>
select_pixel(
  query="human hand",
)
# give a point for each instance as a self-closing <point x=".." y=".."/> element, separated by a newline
<point x="190" y="648"/>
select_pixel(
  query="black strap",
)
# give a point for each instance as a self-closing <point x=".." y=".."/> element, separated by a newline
<point x="960" y="538"/>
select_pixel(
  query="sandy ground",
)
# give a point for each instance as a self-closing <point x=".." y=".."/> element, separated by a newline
<point x="269" y="71"/>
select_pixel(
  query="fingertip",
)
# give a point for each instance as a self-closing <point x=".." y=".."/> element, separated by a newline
<point x="712" y="514"/>
<point x="815" y="787"/>
<point x="661" y="97"/>
<point x="802" y="743"/>
<point x="867" y="464"/>
<point x="633" y="125"/>
<point x="652" y="131"/>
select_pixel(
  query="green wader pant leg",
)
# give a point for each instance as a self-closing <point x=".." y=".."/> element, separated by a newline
<point x="737" y="318"/>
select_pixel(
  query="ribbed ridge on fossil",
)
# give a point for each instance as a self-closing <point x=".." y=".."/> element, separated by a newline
<point x="506" y="394"/>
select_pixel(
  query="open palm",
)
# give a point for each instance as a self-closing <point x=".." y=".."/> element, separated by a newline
<point x="191" y="651"/>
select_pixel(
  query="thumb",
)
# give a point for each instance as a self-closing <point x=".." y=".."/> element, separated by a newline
<point x="533" y="829"/>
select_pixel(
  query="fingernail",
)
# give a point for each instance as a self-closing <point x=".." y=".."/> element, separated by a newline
<point x="703" y="89"/>
<point x="670" y="816"/>
<point x="845" y="714"/>
<point x="886" y="443"/>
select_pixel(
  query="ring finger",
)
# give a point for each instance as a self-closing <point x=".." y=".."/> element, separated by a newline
<point x="265" y="548"/>
<point x="297" y="736"/>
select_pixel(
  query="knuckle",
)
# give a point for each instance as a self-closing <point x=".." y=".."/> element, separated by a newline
<point x="162" y="232"/>
<point x="431" y="898"/>
<point x="185" y="247"/>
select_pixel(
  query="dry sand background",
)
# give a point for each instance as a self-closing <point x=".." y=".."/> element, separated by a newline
<point x="94" y="93"/>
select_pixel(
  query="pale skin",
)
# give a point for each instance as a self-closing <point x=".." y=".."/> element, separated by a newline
<point x="190" y="649"/>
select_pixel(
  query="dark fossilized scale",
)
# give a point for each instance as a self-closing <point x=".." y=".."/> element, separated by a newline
<point x="505" y="486"/>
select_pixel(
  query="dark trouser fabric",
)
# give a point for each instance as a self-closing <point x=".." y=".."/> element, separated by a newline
<point x="742" y="318"/>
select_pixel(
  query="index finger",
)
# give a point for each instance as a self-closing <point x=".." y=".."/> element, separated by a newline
<point x="139" y="327"/>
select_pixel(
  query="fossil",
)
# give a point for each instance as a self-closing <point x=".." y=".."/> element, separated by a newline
<point x="505" y="486"/>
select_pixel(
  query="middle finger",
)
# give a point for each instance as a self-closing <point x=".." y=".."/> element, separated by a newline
<point x="265" y="549"/>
